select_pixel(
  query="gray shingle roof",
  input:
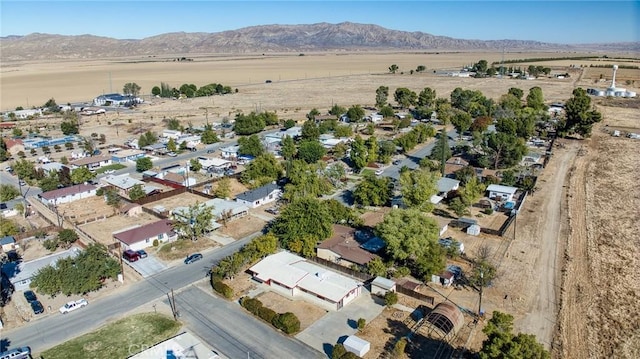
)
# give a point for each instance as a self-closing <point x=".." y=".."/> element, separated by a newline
<point x="258" y="193"/>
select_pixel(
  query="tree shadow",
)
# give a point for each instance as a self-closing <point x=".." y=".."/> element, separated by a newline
<point x="420" y="346"/>
<point x="4" y="344"/>
<point x="352" y="323"/>
<point x="327" y="349"/>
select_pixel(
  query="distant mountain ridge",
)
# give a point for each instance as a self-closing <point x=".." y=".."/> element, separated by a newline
<point x="344" y="36"/>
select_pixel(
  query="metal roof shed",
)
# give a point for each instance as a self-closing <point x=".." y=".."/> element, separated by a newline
<point x="380" y="286"/>
<point x="356" y="345"/>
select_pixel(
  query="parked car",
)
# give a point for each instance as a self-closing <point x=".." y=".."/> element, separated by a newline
<point x="272" y="210"/>
<point x="36" y="306"/>
<point x="397" y="162"/>
<point x="30" y="296"/>
<point x="142" y="253"/>
<point x="22" y="183"/>
<point x="379" y="172"/>
<point x="9" y="169"/>
<point x="211" y="151"/>
<point x="172" y="154"/>
<point x="108" y="172"/>
<point x="130" y="255"/>
<point x="193" y="258"/>
<point x="73" y="305"/>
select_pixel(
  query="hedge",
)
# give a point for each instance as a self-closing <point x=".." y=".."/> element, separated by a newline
<point x="267" y="314"/>
<point x="251" y="304"/>
<point x="287" y="322"/>
<point x="223" y="289"/>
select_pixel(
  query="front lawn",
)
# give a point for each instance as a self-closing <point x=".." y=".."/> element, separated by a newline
<point x="120" y="339"/>
<point x="115" y="167"/>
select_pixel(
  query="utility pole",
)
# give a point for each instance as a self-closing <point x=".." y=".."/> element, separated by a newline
<point x="121" y="262"/>
<point x="175" y="310"/>
<point x="481" y="287"/>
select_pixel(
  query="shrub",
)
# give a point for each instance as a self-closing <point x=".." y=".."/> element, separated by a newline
<point x="487" y="211"/>
<point x="50" y="244"/>
<point x="267" y="314"/>
<point x="156" y="243"/>
<point x="287" y="322"/>
<point x="252" y="305"/>
<point x="338" y="351"/>
<point x="398" y="349"/>
<point x="390" y="298"/>
<point x="361" y="323"/>
<point x="223" y="289"/>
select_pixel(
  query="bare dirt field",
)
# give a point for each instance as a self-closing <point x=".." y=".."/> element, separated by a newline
<point x="86" y="209"/>
<point x="102" y="230"/>
<point x="182" y="200"/>
<point x="242" y="227"/>
<point x="599" y="316"/>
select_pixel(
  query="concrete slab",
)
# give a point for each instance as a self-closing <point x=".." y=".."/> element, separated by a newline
<point x="224" y="240"/>
<point x="148" y="266"/>
<point x="327" y="330"/>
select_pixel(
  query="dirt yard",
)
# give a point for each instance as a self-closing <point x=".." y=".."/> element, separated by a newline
<point x="86" y="209"/>
<point x="306" y="312"/>
<point x="182" y="200"/>
<point x="242" y="227"/>
<point x="102" y="230"/>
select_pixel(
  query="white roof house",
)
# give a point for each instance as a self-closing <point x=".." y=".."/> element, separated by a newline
<point x="446" y="185"/>
<point x="229" y="151"/>
<point x="503" y="193"/>
<point x="21" y="273"/>
<point x="294" y="276"/>
<point x="213" y="162"/>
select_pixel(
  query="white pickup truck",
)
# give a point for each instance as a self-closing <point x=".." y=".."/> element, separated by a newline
<point x="73" y="305"/>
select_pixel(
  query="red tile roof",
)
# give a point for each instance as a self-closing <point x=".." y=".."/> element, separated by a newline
<point x="344" y="244"/>
<point x="11" y="142"/>
<point x="141" y="233"/>
<point x="67" y="191"/>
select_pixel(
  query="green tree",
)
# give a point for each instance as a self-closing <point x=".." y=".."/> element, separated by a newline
<point x="303" y="217"/>
<point x="312" y="114"/>
<point x="311" y="151"/>
<point x="195" y="165"/>
<point x="136" y="192"/>
<point x="4" y="154"/>
<point x="372" y="149"/>
<point x="372" y="191"/>
<point x="195" y="221"/>
<point x="289" y="123"/>
<point x="131" y="88"/>
<point x="223" y="189"/>
<point x="382" y="94"/>
<point x="209" y="136"/>
<point x="51" y="105"/>
<point x="393" y="68"/>
<point x="16" y="132"/>
<point x="67" y="236"/>
<point x="310" y="131"/>
<point x="8" y="227"/>
<point x="288" y="148"/>
<point x="81" y="175"/>
<point x="8" y="192"/>
<point x="580" y="117"/>
<point x="155" y="91"/>
<point x="376" y="267"/>
<point x="405" y="97"/>
<point x="49" y="182"/>
<point x="518" y="93"/>
<point x="417" y="188"/>
<point x="501" y="343"/>
<point x="337" y="110"/>
<point x="427" y="97"/>
<point x="504" y="150"/>
<point x="343" y="131"/>
<point x="441" y="152"/>
<point x="248" y="124"/>
<point x="69" y="128"/>
<point x="461" y="121"/>
<point x="387" y="111"/>
<point x="459" y="206"/>
<point x="146" y="139"/>
<point x="409" y="235"/>
<point x="143" y="164"/>
<point x="481" y="66"/>
<point x="358" y="153"/>
<point x="251" y="146"/>
<point x="355" y="113"/>
<point x="535" y="99"/>
<point x="390" y="298"/>
<point x="338" y="351"/>
<point x="305" y="181"/>
<point x="24" y="169"/>
<point x="480" y="124"/>
<point x="262" y="170"/>
<point x="171" y="145"/>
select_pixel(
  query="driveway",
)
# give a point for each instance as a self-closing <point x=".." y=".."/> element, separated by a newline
<point x="325" y="332"/>
<point x="231" y="330"/>
<point x="148" y="266"/>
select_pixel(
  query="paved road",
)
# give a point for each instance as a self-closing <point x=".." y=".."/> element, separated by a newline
<point x="50" y="331"/>
<point x="234" y="332"/>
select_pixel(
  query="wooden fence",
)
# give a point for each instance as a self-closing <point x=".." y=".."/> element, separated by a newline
<point x="414" y="294"/>
<point x="159" y="196"/>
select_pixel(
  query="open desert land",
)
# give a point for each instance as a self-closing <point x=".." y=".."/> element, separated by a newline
<point x="568" y="271"/>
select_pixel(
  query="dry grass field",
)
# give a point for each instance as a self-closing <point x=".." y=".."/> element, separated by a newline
<point x="576" y="247"/>
<point x="102" y="230"/>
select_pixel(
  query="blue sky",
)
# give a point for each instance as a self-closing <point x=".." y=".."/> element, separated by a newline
<point x="565" y="22"/>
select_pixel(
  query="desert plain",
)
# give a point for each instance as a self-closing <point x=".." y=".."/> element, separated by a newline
<point x="571" y="268"/>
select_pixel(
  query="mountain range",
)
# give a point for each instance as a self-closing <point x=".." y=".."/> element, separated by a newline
<point x="344" y="36"/>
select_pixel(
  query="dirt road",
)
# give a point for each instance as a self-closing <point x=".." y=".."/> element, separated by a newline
<point x="530" y="272"/>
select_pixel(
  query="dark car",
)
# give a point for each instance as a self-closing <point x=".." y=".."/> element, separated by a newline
<point x="130" y="255"/>
<point x="30" y="296"/>
<point x="36" y="306"/>
<point x="397" y="162"/>
<point x="268" y="82"/>
<point x="193" y="258"/>
<point x="142" y="253"/>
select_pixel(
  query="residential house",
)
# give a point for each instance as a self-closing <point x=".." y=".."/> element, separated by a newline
<point x="191" y="141"/>
<point x="531" y="159"/>
<point x="92" y="163"/>
<point x="501" y="193"/>
<point x="222" y="210"/>
<point x="156" y="148"/>
<point x="14" y="145"/>
<point x="229" y="152"/>
<point x="20" y="274"/>
<point x="293" y="276"/>
<point x="123" y="183"/>
<point x="141" y="237"/>
<point x="67" y="194"/>
<point x="261" y="195"/>
<point x="127" y="156"/>
<point x="10" y="208"/>
<point x="342" y="248"/>
<point x="24" y="114"/>
<point x="54" y="167"/>
<point x="213" y="163"/>
<point x="446" y="185"/>
<point x="8" y="243"/>
<point x="171" y="134"/>
<point x="116" y="100"/>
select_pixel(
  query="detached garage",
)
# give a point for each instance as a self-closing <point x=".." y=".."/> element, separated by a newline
<point x="357" y="346"/>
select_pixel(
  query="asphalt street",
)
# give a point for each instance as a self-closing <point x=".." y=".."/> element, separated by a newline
<point x="233" y="331"/>
<point x="57" y="328"/>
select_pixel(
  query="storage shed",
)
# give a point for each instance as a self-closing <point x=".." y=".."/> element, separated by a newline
<point x="380" y="286"/>
<point x="473" y="230"/>
<point x="356" y="345"/>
